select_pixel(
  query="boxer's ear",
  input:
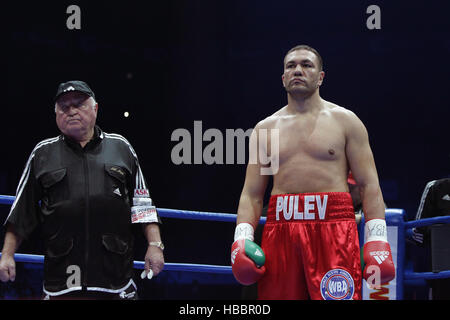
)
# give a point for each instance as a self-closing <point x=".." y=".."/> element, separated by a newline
<point x="321" y="77"/>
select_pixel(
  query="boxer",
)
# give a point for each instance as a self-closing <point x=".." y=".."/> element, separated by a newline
<point x="310" y="239"/>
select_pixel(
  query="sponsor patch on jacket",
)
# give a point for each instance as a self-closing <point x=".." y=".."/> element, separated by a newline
<point x="143" y="214"/>
<point x="337" y="284"/>
<point x="117" y="169"/>
<point x="141" y="193"/>
<point x="138" y="201"/>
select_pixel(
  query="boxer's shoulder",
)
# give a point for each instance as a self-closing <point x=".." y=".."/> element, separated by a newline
<point x="267" y="123"/>
<point x="341" y="114"/>
<point x="347" y="120"/>
<point x="336" y="110"/>
<point x="272" y="120"/>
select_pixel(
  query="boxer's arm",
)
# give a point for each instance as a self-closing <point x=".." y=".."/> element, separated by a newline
<point x="246" y="269"/>
<point x="362" y="164"/>
<point x="251" y="201"/>
<point x="252" y="196"/>
<point x="379" y="265"/>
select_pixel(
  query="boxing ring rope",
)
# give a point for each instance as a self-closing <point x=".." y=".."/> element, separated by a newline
<point x="39" y="259"/>
<point x="165" y="213"/>
<point x="199" y="215"/>
<point x="409" y="275"/>
<point x="6" y="199"/>
<point x="174" y="213"/>
<point x="406" y="227"/>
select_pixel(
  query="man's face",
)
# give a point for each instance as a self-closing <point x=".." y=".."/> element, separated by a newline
<point x="301" y="72"/>
<point x="76" y="114"/>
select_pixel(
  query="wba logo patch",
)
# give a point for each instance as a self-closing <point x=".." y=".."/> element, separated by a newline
<point x="337" y="284"/>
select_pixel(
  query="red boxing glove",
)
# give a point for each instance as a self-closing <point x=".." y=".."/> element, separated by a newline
<point x="247" y="258"/>
<point x="379" y="267"/>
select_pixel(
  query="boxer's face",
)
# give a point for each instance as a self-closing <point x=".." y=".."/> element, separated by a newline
<point x="301" y="72"/>
<point x="76" y="114"/>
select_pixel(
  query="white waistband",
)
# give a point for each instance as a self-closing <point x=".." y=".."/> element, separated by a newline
<point x="58" y="293"/>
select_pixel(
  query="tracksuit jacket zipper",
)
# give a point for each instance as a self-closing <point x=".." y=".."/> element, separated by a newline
<point x="86" y="217"/>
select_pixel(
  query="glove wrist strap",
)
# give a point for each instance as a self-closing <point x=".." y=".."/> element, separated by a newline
<point x="375" y="230"/>
<point x="244" y="231"/>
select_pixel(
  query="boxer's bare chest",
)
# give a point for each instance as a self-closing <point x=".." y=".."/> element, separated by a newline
<point x="314" y="137"/>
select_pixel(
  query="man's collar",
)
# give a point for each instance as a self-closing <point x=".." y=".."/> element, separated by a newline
<point x="96" y="139"/>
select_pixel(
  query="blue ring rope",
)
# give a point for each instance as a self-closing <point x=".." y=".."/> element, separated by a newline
<point x="426" y="275"/>
<point x="427" y="222"/>
<point x="186" y="267"/>
<point x="228" y="217"/>
<point x="174" y="213"/>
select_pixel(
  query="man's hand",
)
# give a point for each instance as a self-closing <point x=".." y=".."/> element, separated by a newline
<point x="154" y="257"/>
<point x="7" y="263"/>
<point x="154" y="262"/>
<point x="7" y="268"/>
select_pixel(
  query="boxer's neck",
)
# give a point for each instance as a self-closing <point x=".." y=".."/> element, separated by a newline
<point x="302" y="104"/>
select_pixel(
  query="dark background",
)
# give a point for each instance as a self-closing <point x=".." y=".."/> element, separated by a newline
<point x="170" y="63"/>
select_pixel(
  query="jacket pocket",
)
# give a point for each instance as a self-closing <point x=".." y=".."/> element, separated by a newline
<point x="116" y="172"/>
<point x="54" y="186"/>
<point x="57" y="261"/>
<point x="117" y="257"/>
<point x="57" y="248"/>
<point x="116" y="181"/>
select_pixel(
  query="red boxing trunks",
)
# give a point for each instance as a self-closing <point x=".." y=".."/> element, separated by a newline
<point x="312" y="249"/>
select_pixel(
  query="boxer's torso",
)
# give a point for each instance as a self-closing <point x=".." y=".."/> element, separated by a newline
<point x="311" y="154"/>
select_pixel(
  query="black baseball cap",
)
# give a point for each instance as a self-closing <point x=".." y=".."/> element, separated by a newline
<point x="74" y="85"/>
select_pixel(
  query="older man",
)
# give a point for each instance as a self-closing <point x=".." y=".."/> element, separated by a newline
<point x="86" y="188"/>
